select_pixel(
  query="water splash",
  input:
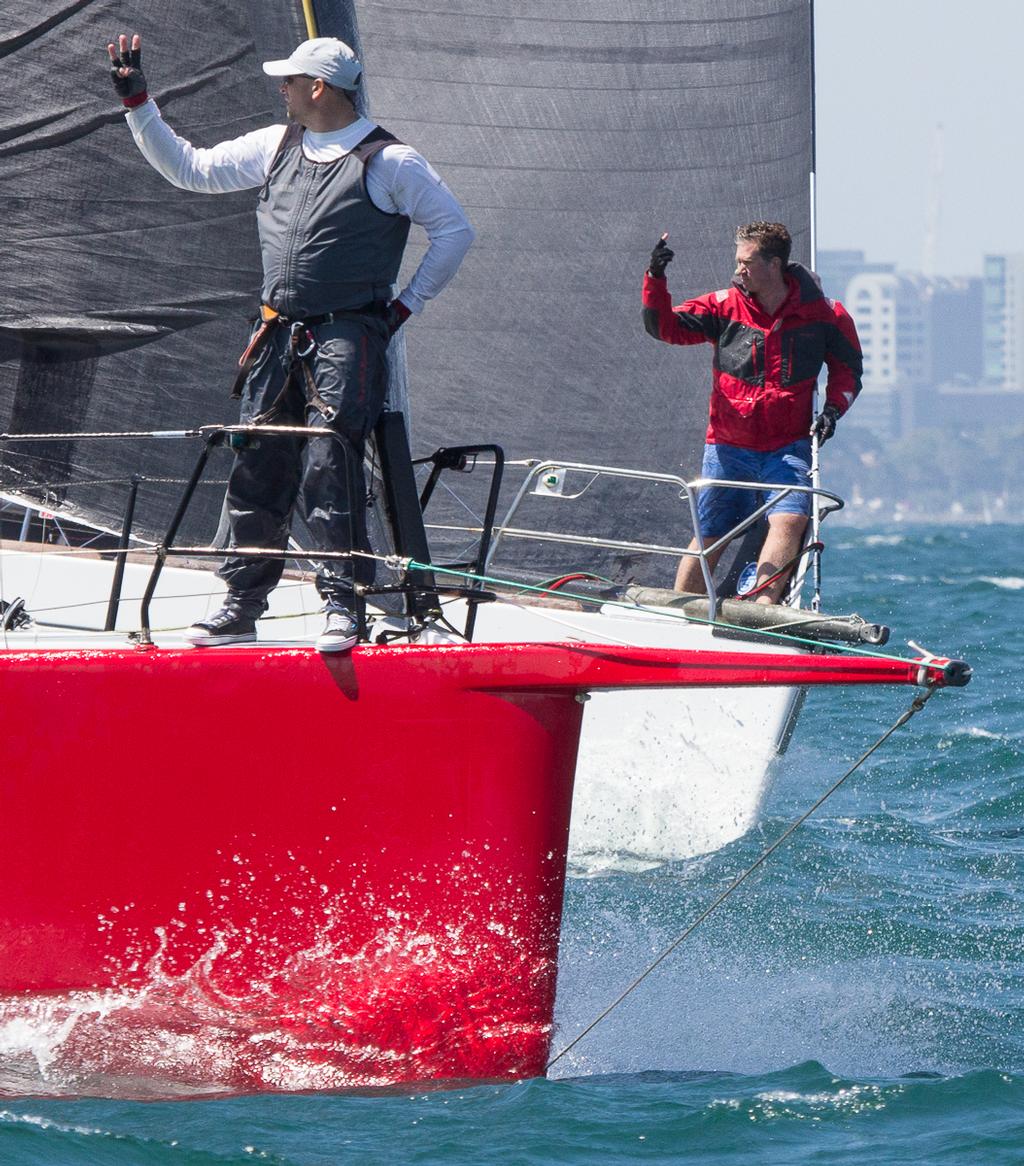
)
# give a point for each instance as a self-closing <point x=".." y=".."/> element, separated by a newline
<point x="418" y="999"/>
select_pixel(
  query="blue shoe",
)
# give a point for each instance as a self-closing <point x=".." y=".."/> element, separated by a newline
<point x="341" y="632"/>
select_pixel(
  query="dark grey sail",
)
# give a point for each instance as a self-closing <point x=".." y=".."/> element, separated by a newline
<point x="574" y="134"/>
<point x="123" y="301"/>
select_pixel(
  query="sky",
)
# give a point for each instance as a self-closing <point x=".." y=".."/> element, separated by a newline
<point x="888" y="73"/>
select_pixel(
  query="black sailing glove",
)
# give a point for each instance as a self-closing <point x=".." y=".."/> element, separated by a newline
<point x="825" y="424"/>
<point x="661" y="257"/>
<point x="395" y="316"/>
<point x="126" y="71"/>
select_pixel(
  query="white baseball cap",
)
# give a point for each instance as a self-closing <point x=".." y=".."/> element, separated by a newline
<point x="325" y="57"/>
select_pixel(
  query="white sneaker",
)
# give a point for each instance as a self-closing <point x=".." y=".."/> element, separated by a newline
<point x="340" y="633"/>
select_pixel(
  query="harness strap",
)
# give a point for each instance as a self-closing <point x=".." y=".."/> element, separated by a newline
<point x="302" y="345"/>
<point x="372" y="308"/>
<point x="270" y="320"/>
<point x="302" y="360"/>
<point x="252" y="351"/>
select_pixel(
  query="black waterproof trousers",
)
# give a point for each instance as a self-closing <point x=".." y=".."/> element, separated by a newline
<point x="323" y="476"/>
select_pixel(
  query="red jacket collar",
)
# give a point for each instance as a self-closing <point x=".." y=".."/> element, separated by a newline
<point x="803" y="289"/>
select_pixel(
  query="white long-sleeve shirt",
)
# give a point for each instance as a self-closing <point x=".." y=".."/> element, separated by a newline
<point x="399" y="181"/>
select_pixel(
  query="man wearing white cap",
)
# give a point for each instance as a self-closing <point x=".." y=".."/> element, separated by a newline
<point x="337" y="194"/>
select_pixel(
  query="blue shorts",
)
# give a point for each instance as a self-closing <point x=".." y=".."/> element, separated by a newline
<point x="719" y="508"/>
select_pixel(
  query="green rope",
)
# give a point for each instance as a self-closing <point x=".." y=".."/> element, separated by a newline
<point x="786" y="637"/>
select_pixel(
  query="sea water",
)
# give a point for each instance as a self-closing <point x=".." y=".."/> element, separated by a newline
<point x="860" y="998"/>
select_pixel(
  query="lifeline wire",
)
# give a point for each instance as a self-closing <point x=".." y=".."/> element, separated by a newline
<point x="916" y="705"/>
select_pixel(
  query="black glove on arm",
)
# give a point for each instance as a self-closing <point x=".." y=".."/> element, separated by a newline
<point x="825" y="424"/>
<point x="661" y="257"/>
<point x="126" y="71"/>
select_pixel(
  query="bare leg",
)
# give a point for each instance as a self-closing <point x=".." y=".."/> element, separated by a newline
<point x="785" y="534"/>
<point x="690" y="577"/>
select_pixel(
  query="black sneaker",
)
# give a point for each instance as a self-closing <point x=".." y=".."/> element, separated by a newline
<point x="340" y="633"/>
<point x="227" y="626"/>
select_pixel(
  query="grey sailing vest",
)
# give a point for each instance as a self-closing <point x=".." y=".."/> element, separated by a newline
<point x="325" y="246"/>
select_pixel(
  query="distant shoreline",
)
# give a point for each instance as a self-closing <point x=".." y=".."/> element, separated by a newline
<point x="867" y="521"/>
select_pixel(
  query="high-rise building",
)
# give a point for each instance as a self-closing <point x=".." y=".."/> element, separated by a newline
<point x="887" y="310"/>
<point x="917" y="334"/>
<point x="955" y="308"/>
<point x="1003" y="321"/>
<point x="835" y="269"/>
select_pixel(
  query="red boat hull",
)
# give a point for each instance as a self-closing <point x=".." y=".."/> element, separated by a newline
<point x="374" y="865"/>
<point x="356" y="861"/>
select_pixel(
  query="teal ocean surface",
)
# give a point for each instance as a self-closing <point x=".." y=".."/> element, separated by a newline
<point x="859" y="999"/>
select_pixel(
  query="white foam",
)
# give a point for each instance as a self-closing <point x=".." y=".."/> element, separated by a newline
<point x="1004" y="582"/>
<point x="45" y="1123"/>
<point x="848" y="1100"/>
<point x="978" y="733"/>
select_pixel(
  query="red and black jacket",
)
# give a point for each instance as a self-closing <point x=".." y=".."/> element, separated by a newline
<point x="765" y="367"/>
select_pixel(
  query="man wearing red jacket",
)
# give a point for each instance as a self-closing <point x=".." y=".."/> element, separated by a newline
<point x="773" y="329"/>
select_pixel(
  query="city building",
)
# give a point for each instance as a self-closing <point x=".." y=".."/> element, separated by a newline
<point x="1003" y="323"/>
<point x="835" y="269"/>
<point x="917" y="333"/>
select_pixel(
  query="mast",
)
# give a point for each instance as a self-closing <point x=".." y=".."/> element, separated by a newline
<point x="814" y="145"/>
<point x="815" y="445"/>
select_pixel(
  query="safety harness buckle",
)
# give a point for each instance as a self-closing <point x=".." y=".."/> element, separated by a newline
<point x="299" y="330"/>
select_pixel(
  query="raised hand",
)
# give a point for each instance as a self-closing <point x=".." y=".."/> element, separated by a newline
<point x="126" y="70"/>
<point x="661" y="257"/>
